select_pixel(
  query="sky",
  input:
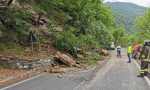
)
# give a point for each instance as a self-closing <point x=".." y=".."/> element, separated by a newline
<point x="145" y="3"/>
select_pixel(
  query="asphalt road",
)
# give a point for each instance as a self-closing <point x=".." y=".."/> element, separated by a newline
<point x="115" y="75"/>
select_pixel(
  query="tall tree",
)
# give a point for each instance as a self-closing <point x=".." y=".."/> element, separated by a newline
<point x="142" y="23"/>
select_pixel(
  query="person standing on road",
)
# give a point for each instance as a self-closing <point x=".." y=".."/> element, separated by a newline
<point x="145" y="57"/>
<point x="118" y="51"/>
<point x="129" y="51"/>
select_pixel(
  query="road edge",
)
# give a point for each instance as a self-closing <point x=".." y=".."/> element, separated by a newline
<point x="4" y="88"/>
<point x="145" y="77"/>
<point x="93" y="69"/>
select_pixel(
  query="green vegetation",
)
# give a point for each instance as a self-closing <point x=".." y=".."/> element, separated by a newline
<point x="85" y="24"/>
<point x="70" y="24"/>
<point x="120" y="36"/>
<point x="81" y="22"/>
<point x="13" y="25"/>
<point x="143" y="27"/>
<point x="142" y="23"/>
<point x="125" y="14"/>
<point x="92" y="59"/>
<point x="129" y="18"/>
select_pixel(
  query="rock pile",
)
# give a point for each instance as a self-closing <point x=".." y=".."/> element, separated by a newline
<point x="104" y="52"/>
<point x="52" y="64"/>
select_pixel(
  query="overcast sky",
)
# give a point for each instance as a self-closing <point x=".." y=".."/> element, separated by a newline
<point x="145" y="3"/>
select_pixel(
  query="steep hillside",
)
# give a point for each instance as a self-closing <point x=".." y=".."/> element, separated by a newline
<point x="35" y="27"/>
<point x="125" y="14"/>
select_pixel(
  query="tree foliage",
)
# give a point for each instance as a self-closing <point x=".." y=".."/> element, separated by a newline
<point x="142" y="23"/>
<point x="90" y="20"/>
<point x="120" y="37"/>
<point x="84" y="24"/>
<point x="143" y="27"/>
<point x="14" y="23"/>
<point x="125" y="14"/>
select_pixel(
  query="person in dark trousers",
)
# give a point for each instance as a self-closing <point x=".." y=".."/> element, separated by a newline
<point x="145" y="57"/>
<point x="129" y="51"/>
<point x="118" y="51"/>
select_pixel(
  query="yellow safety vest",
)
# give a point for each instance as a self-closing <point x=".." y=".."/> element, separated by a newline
<point x="129" y="49"/>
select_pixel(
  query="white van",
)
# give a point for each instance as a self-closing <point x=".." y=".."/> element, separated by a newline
<point x="112" y="46"/>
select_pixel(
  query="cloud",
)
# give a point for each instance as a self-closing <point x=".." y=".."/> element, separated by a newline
<point x="145" y="3"/>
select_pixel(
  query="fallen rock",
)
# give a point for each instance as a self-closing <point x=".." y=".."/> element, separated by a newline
<point x="47" y="70"/>
<point x="80" y="56"/>
<point x="60" y="76"/>
<point x="56" y="70"/>
<point x="80" y="51"/>
<point x="87" y="53"/>
<point x="56" y="67"/>
<point x="78" y="65"/>
<point x="104" y="52"/>
<point x="65" y="59"/>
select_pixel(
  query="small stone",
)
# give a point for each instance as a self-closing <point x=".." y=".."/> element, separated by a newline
<point x="80" y="56"/>
<point x="56" y="66"/>
<point x="60" y="76"/>
<point x="47" y="70"/>
<point x="25" y="66"/>
<point x="21" y="76"/>
<point x="77" y="65"/>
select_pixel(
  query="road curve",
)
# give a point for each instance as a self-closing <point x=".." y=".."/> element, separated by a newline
<point x="118" y="75"/>
<point x="115" y="75"/>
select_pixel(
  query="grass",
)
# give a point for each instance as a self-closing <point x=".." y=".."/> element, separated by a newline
<point x="20" y="52"/>
<point x="92" y="59"/>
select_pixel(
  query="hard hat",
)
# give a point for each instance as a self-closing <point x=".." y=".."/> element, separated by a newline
<point x="146" y="41"/>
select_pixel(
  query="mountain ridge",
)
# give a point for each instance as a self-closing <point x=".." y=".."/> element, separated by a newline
<point x="125" y="14"/>
<point x="125" y="3"/>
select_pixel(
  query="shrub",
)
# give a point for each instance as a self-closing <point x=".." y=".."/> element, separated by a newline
<point x="66" y="41"/>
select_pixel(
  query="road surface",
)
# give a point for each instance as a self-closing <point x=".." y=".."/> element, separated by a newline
<point x="115" y="75"/>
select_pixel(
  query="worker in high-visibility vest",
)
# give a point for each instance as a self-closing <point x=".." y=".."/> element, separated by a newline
<point x="129" y="51"/>
<point x="145" y="57"/>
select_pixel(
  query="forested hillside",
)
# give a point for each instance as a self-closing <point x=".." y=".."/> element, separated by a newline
<point x="125" y="14"/>
<point x="142" y="26"/>
<point x="69" y="26"/>
<point x="65" y="25"/>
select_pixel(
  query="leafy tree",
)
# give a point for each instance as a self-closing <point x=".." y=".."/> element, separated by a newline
<point x="142" y="23"/>
<point x="119" y="35"/>
<point x="90" y="18"/>
<point x="84" y="24"/>
<point x="14" y="24"/>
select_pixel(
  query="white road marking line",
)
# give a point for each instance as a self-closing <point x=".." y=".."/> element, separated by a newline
<point x="145" y="77"/>
<point x="21" y="82"/>
<point x="148" y="81"/>
<point x="137" y="65"/>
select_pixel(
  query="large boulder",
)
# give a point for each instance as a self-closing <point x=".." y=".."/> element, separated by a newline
<point x="65" y="59"/>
